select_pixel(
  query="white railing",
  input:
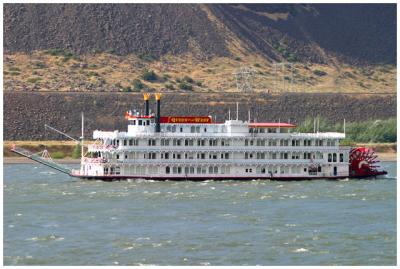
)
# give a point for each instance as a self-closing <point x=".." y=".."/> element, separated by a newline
<point x="227" y="148"/>
<point x="219" y="161"/>
<point x="117" y="135"/>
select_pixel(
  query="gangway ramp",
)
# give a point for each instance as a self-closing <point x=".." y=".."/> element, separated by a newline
<point x="44" y="159"/>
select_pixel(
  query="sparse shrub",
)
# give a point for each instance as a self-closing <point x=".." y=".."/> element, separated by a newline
<point x="111" y="51"/>
<point x="95" y="51"/>
<point x="118" y="85"/>
<point x="185" y="86"/>
<point x="347" y="142"/>
<point x="34" y="80"/>
<point x="178" y="80"/>
<point x="127" y="89"/>
<point x="137" y="84"/>
<point x="39" y="65"/>
<point x="291" y="57"/>
<point x="147" y="57"/>
<point x="166" y="76"/>
<point x="188" y="79"/>
<point x="14" y="73"/>
<point x="199" y="83"/>
<point x="92" y="74"/>
<point x="55" y="52"/>
<point x="237" y="58"/>
<point x="170" y="86"/>
<point x="319" y="73"/>
<point x="257" y="65"/>
<point x="60" y="52"/>
<point x="76" y="153"/>
<point x="14" y="69"/>
<point x="149" y="75"/>
<point x="348" y="74"/>
<point x="58" y="155"/>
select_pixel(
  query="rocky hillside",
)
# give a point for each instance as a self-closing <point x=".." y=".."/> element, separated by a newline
<point x="321" y="33"/>
<point x="26" y="113"/>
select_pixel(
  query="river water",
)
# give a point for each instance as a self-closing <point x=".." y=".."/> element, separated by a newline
<point x="52" y="219"/>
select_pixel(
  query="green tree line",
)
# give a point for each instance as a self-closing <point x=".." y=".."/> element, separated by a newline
<point x="371" y="131"/>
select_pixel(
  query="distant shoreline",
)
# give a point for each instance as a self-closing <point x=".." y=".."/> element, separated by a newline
<point x="22" y="160"/>
<point x="382" y="156"/>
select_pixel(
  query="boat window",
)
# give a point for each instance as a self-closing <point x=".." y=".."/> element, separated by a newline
<point x="210" y="170"/>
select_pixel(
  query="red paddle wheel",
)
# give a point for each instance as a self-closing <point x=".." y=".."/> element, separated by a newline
<point x="363" y="163"/>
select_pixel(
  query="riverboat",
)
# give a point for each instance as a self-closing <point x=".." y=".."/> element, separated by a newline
<point x="197" y="148"/>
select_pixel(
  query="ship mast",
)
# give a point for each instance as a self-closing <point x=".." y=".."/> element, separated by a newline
<point x="82" y="138"/>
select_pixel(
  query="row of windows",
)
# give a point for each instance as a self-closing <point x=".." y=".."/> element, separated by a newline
<point x="197" y="170"/>
<point x="141" y="122"/>
<point x="212" y="170"/>
<point x="193" y="129"/>
<point x="333" y="157"/>
<point x="226" y="155"/>
<point x="225" y="142"/>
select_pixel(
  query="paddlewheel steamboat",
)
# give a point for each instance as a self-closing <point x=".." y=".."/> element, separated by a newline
<point x="197" y="148"/>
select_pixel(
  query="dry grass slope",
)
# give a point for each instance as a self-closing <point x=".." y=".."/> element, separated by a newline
<point x="105" y="72"/>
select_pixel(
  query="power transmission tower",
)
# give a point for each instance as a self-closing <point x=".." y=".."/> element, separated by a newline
<point x="244" y="79"/>
<point x="286" y="74"/>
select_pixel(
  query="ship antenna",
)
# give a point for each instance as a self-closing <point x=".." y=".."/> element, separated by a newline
<point x="314" y="125"/>
<point x="237" y="110"/>
<point x="344" y="125"/>
<point x="229" y="114"/>
<point x="82" y="137"/>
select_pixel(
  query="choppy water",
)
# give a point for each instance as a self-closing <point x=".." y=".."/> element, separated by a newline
<point x="51" y="219"/>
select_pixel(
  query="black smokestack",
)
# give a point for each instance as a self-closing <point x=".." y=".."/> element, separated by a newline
<point x="158" y="112"/>
<point x="146" y="104"/>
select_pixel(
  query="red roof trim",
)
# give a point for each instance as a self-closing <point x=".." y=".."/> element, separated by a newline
<point x="271" y="125"/>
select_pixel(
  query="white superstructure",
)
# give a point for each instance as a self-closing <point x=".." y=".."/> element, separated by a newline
<point x="155" y="147"/>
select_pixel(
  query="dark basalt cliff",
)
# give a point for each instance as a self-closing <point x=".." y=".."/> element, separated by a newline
<point x="322" y="33"/>
<point x="26" y="113"/>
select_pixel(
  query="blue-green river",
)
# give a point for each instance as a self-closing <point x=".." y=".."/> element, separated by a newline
<point x="52" y="219"/>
